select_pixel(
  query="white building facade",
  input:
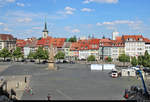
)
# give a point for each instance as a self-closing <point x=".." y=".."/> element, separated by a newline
<point x="134" y="45"/>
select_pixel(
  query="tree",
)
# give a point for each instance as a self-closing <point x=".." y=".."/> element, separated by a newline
<point x="31" y="55"/>
<point x="39" y="54"/>
<point x="140" y="60"/>
<point x="60" y="55"/>
<point x="17" y="53"/>
<point x="73" y="39"/>
<point x="109" y="59"/>
<point x="5" y="53"/>
<point x="39" y="38"/>
<point x="146" y="59"/>
<point x="46" y="55"/>
<point x="124" y="58"/>
<point x="91" y="58"/>
<point x="134" y="61"/>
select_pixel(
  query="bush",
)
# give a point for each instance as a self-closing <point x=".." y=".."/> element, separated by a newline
<point x="91" y="58"/>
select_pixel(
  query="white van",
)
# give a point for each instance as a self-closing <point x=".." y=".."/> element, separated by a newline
<point x="114" y="74"/>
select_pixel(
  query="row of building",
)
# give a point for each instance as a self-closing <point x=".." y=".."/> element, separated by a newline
<point x="132" y="45"/>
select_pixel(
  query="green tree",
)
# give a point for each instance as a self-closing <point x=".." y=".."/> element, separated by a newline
<point x="17" y="53"/>
<point x="124" y="58"/>
<point x="39" y="54"/>
<point x="109" y="59"/>
<point x="73" y="39"/>
<point x="146" y="59"/>
<point x="134" y="61"/>
<point x="60" y="55"/>
<point x="91" y="58"/>
<point x="46" y="55"/>
<point x="140" y="60"/>
<point x="31" y="55"/>
<point x="5" y="53"/>
<point x="39" y="38"/>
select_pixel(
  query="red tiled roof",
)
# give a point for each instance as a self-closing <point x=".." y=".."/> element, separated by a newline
<point x="20" y="43"/>
<point x="6" y="37"/>
<point x="57" y="42"/>
<point x="146" y="40"/>
<point x="135" y="37"/>
<point x="118" y="37"/>
<point x="75" y="46"/>
<point x="105" y="40"/>
<point x="94" y="44"/>
<point x="117" y="43"/>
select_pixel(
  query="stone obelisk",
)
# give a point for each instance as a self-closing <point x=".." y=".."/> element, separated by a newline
<point x="51" y="65"/>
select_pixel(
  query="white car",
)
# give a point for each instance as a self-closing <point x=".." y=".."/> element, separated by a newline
<point x="135" y="68"/>
<point x="114" y="74"/>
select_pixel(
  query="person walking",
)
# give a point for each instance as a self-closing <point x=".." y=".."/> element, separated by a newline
<point x="25" y="79"/>
<point x="48" y="97"/>
<point x="31" y="91"/>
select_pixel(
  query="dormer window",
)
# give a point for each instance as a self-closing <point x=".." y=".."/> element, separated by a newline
<point x="140" y="39"/>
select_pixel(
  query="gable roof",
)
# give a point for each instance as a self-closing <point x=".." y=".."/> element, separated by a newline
<point x="135" y="37"/>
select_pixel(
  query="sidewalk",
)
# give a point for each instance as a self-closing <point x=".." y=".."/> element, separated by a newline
<point x="13" y="81"/>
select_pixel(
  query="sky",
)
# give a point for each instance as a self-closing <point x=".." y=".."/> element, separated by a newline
<point x="66" y="18"/>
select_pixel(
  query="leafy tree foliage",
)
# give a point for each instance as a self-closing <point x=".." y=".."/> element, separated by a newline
<point x="17" y="53"/>
<point x="39" y="38"/>
<point x="39" y="54"/>
<point x="144" y="60"/>
<point x="5" y="53"/>
<point x="46" y="55"/>
<point x="91" y="58"/>
<point x="109" y="59"/>
<point x="140" y="60"/>
<point x="31" y="55"/>
<point x="124" y="58"/>
<point x="73" y="39"/>
<point x="60" y="55"/>
<point x="134" y="61"/>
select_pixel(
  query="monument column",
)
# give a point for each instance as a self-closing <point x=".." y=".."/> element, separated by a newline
<point x="51" y="65"/>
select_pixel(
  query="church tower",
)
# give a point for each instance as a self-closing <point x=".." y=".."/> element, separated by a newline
<point x="45" y="31"/>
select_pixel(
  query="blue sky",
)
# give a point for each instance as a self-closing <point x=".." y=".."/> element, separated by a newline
<point x="66" y="18"/>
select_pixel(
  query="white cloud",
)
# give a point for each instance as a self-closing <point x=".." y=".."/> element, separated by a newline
<point x="69" y="12"/>
<point x="7" y="29"/>
<point x="116" y="22"/>
<point x="24" y="20"/>
<point x="134" y="25"/>
<point x="20" y="4"/>
<point x="69" y="8"/>
<point x="101" y="1"/>
<point x="86" y="10"/>
<point x="75" y="31"/>
<point x="10" y="0"/>
<point x="1" y="23"/>
<point x="5" y="2"/>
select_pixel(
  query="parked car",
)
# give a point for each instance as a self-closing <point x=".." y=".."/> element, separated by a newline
<point x="64" y="61"/>
<point x="114" y="74"/>
<point x="71" y="62"/>
<point x="146" y="69"/>
<point x="43" y="62"/>
<point x="8" y="60"/>
<point x="32" y="60"/>
<point x="135" y="68"/>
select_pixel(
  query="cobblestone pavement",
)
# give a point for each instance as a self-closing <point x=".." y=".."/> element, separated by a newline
<point x="70" y="82"/>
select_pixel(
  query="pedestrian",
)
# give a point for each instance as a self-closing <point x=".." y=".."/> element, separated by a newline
<point x="31" y="91"/>
<point x="48" y="97"/>
<point x="25" y="79"/>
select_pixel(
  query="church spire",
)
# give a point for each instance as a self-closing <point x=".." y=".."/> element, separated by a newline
<point x="45" y="28"/>
<point x="45" y="31"/>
